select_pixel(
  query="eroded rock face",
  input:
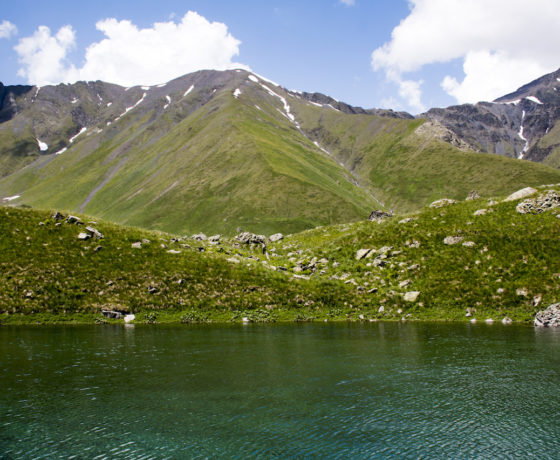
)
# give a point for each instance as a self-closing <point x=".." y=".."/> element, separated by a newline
<point x="550" y="317"/>
<point x="542" y="203"/>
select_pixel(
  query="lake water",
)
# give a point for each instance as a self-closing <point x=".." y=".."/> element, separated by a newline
<point x="281" y="391"/>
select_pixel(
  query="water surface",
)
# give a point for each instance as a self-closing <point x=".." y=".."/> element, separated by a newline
<point x="289" y="391"/>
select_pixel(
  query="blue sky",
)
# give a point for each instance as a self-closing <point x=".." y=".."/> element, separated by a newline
<point x="406" y="55"/>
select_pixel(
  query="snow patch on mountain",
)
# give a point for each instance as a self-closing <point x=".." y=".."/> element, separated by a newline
<point x="237" y="93"/>
<point x="74" y="101"/>
<point x="10" y="198"/>
<point x="128" y="109"/>
<point x="188" y="91"/>
<point x="522" y="137"/>
<point x="284" y="102"/>
<point x="253" y="79"/>
<point x="145" y="88"/>
<point x="73" y="138"/>
<point x="62" y="150"/>
<point x="168" y="102"/>
<point x="534" y="99"/>
<point x="109" y="104"/>
<point x="43" y="147"/>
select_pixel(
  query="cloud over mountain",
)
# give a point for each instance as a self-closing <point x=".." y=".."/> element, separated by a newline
<point x="502" y="44"/>
<point x="130" y="55"/>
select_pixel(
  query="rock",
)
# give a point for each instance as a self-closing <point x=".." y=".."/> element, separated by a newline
<point x="406" y="220"/>
<point x="413" y="267"/>
<point x="522" y="292"/>
<point x="480" y="212"/>
<point x="542" y="203"/>
<point x="215" y="239"/>
<point x="174" y="251"/>
<point x="95" y="233"/>
<point x="377" y="215"/>
<point x="489" y="321"/>
<point x="57" y="216"/>
<point x="523" y="193"/>
<point x="452" y="240"/>
<point x="414" y="244"/>
<point x="145" y="241"/>
<point x="246" y="320"/>
<point x="97" y="248"/>
<point x="473" y="320"/>
<point x="500" y="290"/>
<point x="137" y="245"/>
<point x="129" y="318"/>
<point x="473" y="195"/>
<point x="250" y="238"/>
<point x="112" y="314"/>
<point x="74" y="220"/>
<point x="469" y="244"/>
<point x="276" y="237"/>
<point x="361" y="253"/>
<point x="537" y="300"/>
<point x="468" y="314"/>
<point x="233" y="260"/>
<point x="384" y="250"/>
<point x="404" y="283"/>
<point x="550" y="317"/>
<point x="507" y="320"/>
<point x="492" y="203"/>
<point x="84" y="236"/>
<point x="411" y="296"/>
<point x="152" y="289"/>
<point x="381" y="309"/>
<point x="372" y="291"/>
<point x="443" y="202"/>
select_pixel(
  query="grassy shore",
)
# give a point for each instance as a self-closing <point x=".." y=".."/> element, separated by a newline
<point x="506" y="264"/>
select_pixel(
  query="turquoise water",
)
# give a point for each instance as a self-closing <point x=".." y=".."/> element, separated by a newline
<point x="281" y="391"/>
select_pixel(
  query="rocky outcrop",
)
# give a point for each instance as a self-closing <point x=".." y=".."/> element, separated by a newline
<point x="377" y="215"/>
<point x="542" y="203"/>
<point x="443" y="202"/>
<point x="550" y="317"/>
<point x="250" y="238"/>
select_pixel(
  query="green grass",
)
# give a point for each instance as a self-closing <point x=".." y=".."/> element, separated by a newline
<point x="48" y="275"/>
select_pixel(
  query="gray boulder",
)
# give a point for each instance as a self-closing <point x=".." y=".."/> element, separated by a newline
<point x="443" y="202"/>
<point x="94" y="233"/>
<point x="199" y="237"/>
<point x="377" y="215"/>
<point x="550" y="317"/>
<point x="74" y="220"/>
<point x="542" y="203"/>
<point x="84" y="236"/>
<point x="276" y="237"/>
<point x="523" y="193"/>
<point x="250" y="238"/>
<point x="452" y="240"/>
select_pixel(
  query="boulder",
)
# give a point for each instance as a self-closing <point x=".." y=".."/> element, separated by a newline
<point x="276" y="237"/>
<point x="411" y="296"/>
<point x="473" y="195"/>
<point x="94" y="233"/>
<point x="215" y="239"/>
<point x="199" y="237"/>
<point x="84" y="236"/>
<point x="469" y="244"/>
<point x="361" y="253"/>
<point x="57" y="216"/>
<point x="112" y="314"/>
<point x="480" y="212"/>
<point x="542" y="203"/>
<point x="250" y="238"/>
<point x="137" y="245"/>
<point x="129" y="318"/>
<point x="74" y="220"/>
<point x="377" y="215"/>
<point x="523" y="193"/>
<point x="550" y="317"/>
<point x="443" y="202"/>
<point x="452" y="240"/>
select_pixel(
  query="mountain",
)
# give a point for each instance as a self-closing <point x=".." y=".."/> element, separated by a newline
<point x="523" y="124"/>
<point x="217" y="151"/>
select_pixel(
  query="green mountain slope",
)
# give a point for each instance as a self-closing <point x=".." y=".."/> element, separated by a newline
<point x="216" y="151"/>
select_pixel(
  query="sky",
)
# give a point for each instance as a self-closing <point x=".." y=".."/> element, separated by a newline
<point x="400" y="54"/>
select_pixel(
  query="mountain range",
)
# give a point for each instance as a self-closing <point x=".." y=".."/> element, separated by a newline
<point x="216" y="151"/>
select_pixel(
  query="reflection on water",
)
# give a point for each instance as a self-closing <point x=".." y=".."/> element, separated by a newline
<point x="306" y="390"/>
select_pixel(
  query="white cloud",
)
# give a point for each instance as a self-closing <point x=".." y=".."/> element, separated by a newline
<point x="129" y="55"/>
<point x="7" y="29"/>
<point x="348" y="2"/>
<point x="43" y="55"/>
<point x="503" y="44"/>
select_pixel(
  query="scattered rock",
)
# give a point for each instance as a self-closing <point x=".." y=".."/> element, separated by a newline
<point x="443" y="202"/>
<point x="137" y="245"/>
<point x="94" y="233"/>
<point x="489" y="321"/>
<point x="276" y="237"/>
<point x="480" y="212"/>
<point x="414" y="244"/>
<point x="411" y="296"/>
<point x="84" y="236"/>
<point x="372" y="291"/>
<point x="522" y="292"/>
<point x="507" y="320"/>
<point x="112" y="314"/>
<point x="452" y="240"/>
<point x="57" y="216"/>
<point x="469" y="244"/>
<point x="129" y="318"/>
<point x="215" y="239"/>
<point x="523" y="193"/>
<point x="233" y="260"/>
<point x="537" y="300"/>
<point x="542" y="203"/>
<point x="404" y="283"/>
<point x="145" y="241"/>
<point x="381" y="309"/>
<point x="406" y="220"/>
<point x="473" y="195"/>
<point x="500" y="290"/>
<point x="468" y="314"/>
<point x="152" y="289"/>
<point x="377" y="215"/>
<point x="550" y="317"/>
<point x="250" y="238"/>
<point x="97" y="248"/>
<point x="174" y="251"/>
<point x="492" y="203"/>
<point x="361" y="253"/>
<point x="74" y="220"/>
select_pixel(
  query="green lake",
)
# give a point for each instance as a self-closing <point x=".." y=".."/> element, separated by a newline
<point x="375" y="390"/>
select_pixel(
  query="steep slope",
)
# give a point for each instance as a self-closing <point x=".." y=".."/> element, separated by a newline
<point x="518" y="125"/>
<point x="197" y="154"/>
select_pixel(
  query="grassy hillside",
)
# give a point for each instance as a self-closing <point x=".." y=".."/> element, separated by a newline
<point x="510" y="266"/>
<point x="407" y="171"/>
